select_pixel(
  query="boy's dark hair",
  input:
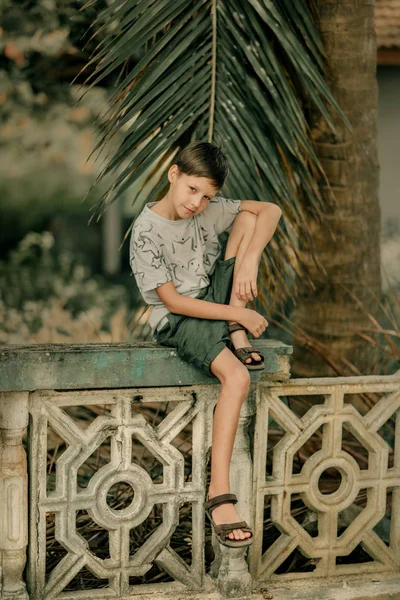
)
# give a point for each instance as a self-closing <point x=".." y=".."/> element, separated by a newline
<point x="203" y="159"/>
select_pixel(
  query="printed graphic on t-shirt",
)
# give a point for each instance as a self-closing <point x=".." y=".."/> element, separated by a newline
<point x="143" y="244"/>
<point x="183" y="251"/>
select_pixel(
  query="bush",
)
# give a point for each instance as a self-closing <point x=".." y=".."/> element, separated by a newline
<point x="49" y="297"/>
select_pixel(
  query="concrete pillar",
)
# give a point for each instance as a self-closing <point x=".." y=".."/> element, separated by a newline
<point x="13" y="495"/>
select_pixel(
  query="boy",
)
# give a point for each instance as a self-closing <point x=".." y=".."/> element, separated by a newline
<point x="198" y="299"/>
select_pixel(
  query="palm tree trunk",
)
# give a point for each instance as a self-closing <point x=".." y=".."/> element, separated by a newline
<point x="347" y="239"/>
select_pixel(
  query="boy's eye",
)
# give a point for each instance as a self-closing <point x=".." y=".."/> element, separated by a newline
<point x="194" y="189"/>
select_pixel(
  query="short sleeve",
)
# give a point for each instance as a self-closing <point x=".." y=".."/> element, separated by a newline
<point x="222" y="212"/>
<point x="147" y="262"/>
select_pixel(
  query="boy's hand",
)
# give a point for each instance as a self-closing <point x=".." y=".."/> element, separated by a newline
<point x="253" y="321"/>
<point x="246" y="279"/>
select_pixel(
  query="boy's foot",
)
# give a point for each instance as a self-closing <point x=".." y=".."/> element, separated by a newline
<point x="239" y="340"/>
<point x="226" y="513"/>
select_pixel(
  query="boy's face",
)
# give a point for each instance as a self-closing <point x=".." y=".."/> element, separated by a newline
<point x="190" y="194"/>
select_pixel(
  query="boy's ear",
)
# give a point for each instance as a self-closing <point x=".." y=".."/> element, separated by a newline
<point x="173" y="172"/>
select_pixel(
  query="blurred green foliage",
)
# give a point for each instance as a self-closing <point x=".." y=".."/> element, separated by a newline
<point x="35" y="277"/>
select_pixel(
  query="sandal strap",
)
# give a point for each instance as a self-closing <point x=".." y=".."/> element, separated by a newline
<point x="235" y="327"/>
<point x="232" y="526"/>
<point x="246" y="352"/>
<point x="221" y="499"/>
<point x="226" y="528"/>
<point x="224" y="535"/>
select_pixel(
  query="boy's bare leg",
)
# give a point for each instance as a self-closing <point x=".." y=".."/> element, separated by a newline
<point x="235" y="379"/>
<point x="239" y="239"/>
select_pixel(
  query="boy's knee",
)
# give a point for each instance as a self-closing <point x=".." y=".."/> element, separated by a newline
<point x="239" y="378"/>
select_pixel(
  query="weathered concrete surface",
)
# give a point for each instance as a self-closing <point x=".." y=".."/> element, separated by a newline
<point x="336" y="418"/>
<point x="340" y="593"/>
<point x="351" y="588"/>
<point x="13" y="495"/>
<point x="95" y="366"/>
<point x="182" y="596"/>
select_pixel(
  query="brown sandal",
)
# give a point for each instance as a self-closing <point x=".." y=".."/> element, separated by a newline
<point x="236" y="326"/>
<point x="244" y="353"/>
<point x="221" y="531"/>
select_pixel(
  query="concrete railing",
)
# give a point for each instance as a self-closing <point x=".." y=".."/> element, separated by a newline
<point x="40" y="384"/>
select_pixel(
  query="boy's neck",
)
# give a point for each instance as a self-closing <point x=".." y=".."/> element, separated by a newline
<point x="163" y="209"/>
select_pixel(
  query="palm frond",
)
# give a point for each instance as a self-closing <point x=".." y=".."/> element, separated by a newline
<point x="235" y="73"/>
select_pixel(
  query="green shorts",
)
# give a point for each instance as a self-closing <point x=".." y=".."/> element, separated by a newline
<point x="199" y="341"/>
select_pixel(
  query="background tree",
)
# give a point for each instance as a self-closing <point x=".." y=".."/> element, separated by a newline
<point x="44" y="138"/>
<point x="346" y="277"/>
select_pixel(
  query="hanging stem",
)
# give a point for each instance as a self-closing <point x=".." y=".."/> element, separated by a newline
<point x="213" y="68"/>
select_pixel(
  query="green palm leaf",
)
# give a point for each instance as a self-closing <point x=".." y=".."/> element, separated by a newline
<point x="235" y="73"/>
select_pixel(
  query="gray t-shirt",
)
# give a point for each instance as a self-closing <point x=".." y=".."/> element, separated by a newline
<point x="182" y="251"/>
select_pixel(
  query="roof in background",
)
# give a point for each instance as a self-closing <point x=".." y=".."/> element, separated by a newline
<point x="387" y="23"/>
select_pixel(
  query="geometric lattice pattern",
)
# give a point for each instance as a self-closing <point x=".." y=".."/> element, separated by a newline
<point x="374" y="426"/>
<point x="122" y="425"/>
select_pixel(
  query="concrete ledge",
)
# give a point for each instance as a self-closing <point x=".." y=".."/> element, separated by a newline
<point x="96" y="366"/>
<point x="352" y="587"/>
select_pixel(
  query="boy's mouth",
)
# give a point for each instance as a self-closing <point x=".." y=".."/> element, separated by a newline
<point x="188" y="210"/>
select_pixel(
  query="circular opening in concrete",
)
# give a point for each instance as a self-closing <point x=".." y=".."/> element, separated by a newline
<point x="330" y="481"/>
<point x="120" y="495"/>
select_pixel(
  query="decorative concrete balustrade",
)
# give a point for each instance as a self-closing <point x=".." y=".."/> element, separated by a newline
<point x="41" y="383"/>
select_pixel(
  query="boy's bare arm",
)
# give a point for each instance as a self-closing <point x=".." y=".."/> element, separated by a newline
<point x="202" y="309"/>
<point x="194" y="307"/>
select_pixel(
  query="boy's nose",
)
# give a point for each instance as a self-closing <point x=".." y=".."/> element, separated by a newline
<point x="195" y="203"/>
